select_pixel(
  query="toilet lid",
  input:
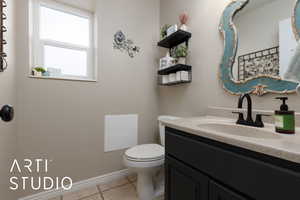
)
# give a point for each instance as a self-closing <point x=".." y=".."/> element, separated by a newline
<point x="146" y="152"/>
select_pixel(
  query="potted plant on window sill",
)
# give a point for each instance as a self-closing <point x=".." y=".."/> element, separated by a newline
<point x="38" y="71"/>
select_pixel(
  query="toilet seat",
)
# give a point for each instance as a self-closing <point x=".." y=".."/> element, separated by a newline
<point x="143" y="164"/>
<point x="145" y="153"/>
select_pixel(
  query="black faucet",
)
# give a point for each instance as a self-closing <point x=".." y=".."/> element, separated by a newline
<point x="249" y="120"/>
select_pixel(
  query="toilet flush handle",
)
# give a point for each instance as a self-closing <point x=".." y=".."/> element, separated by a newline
<point x="7" y="113"/>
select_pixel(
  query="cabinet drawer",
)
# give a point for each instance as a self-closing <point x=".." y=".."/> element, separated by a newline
<point x="254" y="178"/>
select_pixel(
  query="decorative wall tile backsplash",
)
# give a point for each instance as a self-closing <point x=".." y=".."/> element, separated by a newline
<point x="125" y="45"/>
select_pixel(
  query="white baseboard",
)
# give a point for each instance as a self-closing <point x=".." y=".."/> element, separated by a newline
<point x="79" y="185"/>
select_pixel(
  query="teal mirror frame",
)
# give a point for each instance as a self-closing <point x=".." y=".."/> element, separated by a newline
<point x="259" y="85"/>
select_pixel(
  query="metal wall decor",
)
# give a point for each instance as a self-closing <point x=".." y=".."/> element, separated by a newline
<point x="3" y="62"/>
<point x="123" y="44"/>
<point x="259" y="85"/>
<point x="259" y="63"/>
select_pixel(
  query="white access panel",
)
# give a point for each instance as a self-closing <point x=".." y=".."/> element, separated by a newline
<point x="287" y="44"/>
<point x="121" y="132"/>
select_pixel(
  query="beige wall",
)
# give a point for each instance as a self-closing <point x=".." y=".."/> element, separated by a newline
<point x="8" y="96"/>
<point x="64" y="120"/>
<point x="206" y="52"/>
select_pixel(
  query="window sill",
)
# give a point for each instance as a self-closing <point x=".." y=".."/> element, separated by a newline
<point x="62" y="78"/>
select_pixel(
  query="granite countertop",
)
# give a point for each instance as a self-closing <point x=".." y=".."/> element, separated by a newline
<point x="286" y="147"/>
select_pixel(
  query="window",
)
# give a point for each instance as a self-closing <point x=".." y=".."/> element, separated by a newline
<point x="62" y="41"/>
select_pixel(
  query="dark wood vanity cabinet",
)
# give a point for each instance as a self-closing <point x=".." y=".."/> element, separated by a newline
<point x="184" y="182"/>
<point x="219" y="192"/>
<point x="201" y="169"/>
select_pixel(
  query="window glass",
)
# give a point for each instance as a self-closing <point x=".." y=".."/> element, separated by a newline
<point x="69" y="61"/>
<point x="64" y="27"/>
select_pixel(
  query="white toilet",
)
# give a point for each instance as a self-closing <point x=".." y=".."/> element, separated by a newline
<point x="147" y="161"/>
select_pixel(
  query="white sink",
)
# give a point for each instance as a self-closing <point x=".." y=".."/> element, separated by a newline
<point x="238" y="130"/>
<point x="263" y="140"/>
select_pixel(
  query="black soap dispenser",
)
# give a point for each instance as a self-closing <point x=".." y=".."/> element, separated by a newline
<point x="284" y="118"/>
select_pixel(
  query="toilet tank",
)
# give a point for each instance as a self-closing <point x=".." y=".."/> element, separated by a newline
<point x="162" y="127"/>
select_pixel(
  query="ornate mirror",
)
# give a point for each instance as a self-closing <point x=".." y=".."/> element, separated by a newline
<point x="261" y="46"/>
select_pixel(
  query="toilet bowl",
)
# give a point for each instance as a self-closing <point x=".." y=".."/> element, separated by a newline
<point x="147" y="161"/>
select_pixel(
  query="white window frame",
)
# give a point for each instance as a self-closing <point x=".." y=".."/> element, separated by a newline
<point x="37" y="44"/>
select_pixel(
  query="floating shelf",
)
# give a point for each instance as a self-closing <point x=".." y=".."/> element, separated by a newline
<point x="184" y="81"/>
<point x="174" y="69"/>
<point x="175" y="39"/>
<point x="175" y="83"/>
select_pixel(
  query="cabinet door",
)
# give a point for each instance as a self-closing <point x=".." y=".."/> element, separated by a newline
<point x="218" y="192"/>
<point x="184" y="183"/>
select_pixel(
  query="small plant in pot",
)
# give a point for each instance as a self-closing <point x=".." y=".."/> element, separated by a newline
<point x="163" y="31"/>
<point x="38" y="71"/>
<point x="181" y="52"/>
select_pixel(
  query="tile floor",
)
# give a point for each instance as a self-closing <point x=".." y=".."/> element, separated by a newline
<point x="122" y="189"/>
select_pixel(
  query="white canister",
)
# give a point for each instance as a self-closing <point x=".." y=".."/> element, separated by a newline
<point x="165" y="79"/>
<point x="178" y="76"/>
<point x="172" y="78"/>
<point x="184" y="76"/>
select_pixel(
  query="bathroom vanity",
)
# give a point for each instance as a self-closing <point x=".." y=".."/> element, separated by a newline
<point x="210" y="159"/>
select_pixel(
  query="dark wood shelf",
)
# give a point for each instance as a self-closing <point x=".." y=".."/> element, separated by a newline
<point x="174" y="69"/>
<point x="175" y="39"/>
<point x="176" y="83"/>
